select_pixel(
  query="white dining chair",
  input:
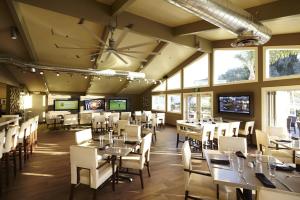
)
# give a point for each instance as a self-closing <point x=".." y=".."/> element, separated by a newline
<point x="233" y="129"/>
<point x="99" y="123"/>
<point x="208" y="133"/>
<point x="138" y="161"/>
<point x="248" y="130"/>
<point x="15" y="116"/>
<point x="222" y="130"/>
<point x="272" y="194"/>
<point x="86" y="169"/>
<point x="133" y="131"/>
<point x="232" y="144"/>
<point x="2" y="141"/>
<point x="83" y="136"/>
<point x="121" y="125"/>
<point x="125" y="116"/>
<point x="70" y="120"/>
<point x="277" y="132"/>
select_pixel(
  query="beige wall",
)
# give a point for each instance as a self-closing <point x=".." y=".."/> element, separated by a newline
<point x="2" y="91"/>
<point x="255" y="88"/>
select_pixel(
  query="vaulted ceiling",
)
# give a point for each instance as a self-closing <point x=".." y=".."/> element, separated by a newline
<point x="170" y="32"/>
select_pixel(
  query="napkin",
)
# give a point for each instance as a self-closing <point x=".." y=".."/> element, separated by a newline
<point x="213" y="122"/>
<point x="219" y="162"/>
<point x="284" y="167"/>
<point x="287" y="141"/>
<point x="130" y="142"/>
<point x="264" y="180"/>
<point x="240" y="154"/>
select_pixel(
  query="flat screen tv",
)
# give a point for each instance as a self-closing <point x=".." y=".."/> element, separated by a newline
<point x="118" y="104"/>
<point x="66" y="104"/>
<point x="94" y="104"/>
<point x="239" y="104"/>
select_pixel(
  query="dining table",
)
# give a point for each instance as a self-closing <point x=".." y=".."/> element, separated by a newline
<point x="115" y="149"/>
<point x="291" y="144"/>
<point x="246" y="181"/>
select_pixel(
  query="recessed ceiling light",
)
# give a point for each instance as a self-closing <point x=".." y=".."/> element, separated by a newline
<point x="57" y="74"/>
<point x="85" y="77"/>
<point x="33" y="70"/>
<point x="41" y="72"/>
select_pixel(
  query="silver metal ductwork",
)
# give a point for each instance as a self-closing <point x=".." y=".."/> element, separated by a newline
<point x="91" y="72"/>
<point x="224" y="14"/>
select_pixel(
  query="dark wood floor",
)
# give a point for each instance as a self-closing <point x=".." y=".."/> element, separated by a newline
<point x="46" y="175"/>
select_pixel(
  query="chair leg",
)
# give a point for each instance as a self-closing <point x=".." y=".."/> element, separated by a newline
<point x="148" y="168"/>
<point x="7" y="168"/>
<point x="72" y="191"/>
<point x="186" y="195"/>
<point x="15" y="162"/>
<point x="141" y="177"/>
<point x="95" y="194"/>
<point x="177" y="140"/>
<point x="20" y="157"/>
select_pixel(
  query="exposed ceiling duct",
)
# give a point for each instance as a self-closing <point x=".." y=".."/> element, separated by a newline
<point x="224" y="14"/>
<point x="91" y="72"/>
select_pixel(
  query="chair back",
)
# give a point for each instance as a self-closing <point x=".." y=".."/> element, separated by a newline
<point x="232" y="144"/>
<point x="27" y="128"/>
<point x="71" y="119"/>
<point x="133" y="131"/>
<point x="85" y="118"/>
<point x="223" y="129"/>
<point x="262" y="140"/>
<point x="271" y="194"/>
<point x="234" y="129"/>
<point x="16" y="122"/>
<point x="208" y="132"/>
<point x="2" y="140"/>
<point x="137" y="113"/>
<point x="125" y="115"/>
<point x="83" y="136"/>
<point x="186" y="161"/>
<point x="161" y="118"/>
<point x="121" y="125"/>
<point x="83" y="157"/>
<point x="115" y="115"/>
<point x="106" y="114"/>
<point x="279" y="132"/>
<point x="22" y="130"/>
<point x="10" y="139"/>
<point x="145" y="149"/>
<point x="249" y="127"/>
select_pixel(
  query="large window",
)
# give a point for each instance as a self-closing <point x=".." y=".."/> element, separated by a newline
<point x="159" y="102"/>
<point x="160" y="87"/>
<point x="196" y="74"/>
<point x="282" y="62"/>
<point x="174" y="103"/>
<point x="174" y="82"/>
<point x="235" y="65"/>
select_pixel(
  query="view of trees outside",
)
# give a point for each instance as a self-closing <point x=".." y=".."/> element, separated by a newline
<point x="234" y="65"/>
<point x="158" y="102"/>
<point x="283" y="62"/>
<point x="174" y="102"/>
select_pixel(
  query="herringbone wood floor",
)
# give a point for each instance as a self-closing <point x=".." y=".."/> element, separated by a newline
<point x="46" y="175"/>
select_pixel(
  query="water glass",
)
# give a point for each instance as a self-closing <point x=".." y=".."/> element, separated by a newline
<point x="240" y="162"/>
<point x="258" y="156"/>
<point x="272" y="166"/>
<point x="101" y="140"/>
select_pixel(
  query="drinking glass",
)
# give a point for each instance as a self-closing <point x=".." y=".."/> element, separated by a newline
<point x="101" y="140"/>
<point x="258" y="156"/>
<point x="240" y="162"/>
<point x="272" y="166"/>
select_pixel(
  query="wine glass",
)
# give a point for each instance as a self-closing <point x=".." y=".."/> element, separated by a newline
<point x="272" y="166"/>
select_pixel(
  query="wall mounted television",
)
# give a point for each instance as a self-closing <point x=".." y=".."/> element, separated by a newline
<point x="235" y="103"/>
<point x="72" y="104"/>
<point x="94" y="104"/>
<point x="117" y="104"/>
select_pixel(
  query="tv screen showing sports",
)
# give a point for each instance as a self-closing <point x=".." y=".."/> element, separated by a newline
<point x="234" y="104"/>
<point x="118" y="104"/>
<point x="66" y="104"/>
<point x="94" y="104"/>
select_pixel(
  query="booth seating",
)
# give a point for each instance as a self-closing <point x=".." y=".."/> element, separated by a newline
<point x="55" y="117"/>
<point x="70" y="120"/>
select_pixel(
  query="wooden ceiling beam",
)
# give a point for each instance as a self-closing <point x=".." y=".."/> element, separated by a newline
<point x="101" y="14"/>
<point x="120" y="6"/>
<point x="159" y="47"/>
<point x="265" y="12"/>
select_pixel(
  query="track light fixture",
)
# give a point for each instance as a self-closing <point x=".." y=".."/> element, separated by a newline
<point x="13" y="33"/>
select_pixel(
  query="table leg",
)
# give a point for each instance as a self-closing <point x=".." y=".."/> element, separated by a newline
<point x="113" y="162"/>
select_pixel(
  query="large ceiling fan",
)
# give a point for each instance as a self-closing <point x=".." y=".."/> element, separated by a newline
<point x="113" y="45"/>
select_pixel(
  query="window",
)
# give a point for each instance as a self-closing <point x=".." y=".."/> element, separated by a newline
<point x="282" y="62"/>
<point x="26" y="101"/>
<point x="174" y="103"/>
<point x="235" y="65"/>
<point x="159" y="102"/>
<point x="196" y="74"/>
<point x="174" y="82"/>
<point x="160" y="87"/>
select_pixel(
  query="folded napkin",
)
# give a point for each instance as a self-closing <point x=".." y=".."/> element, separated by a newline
<point x="130" y="142"/>
<point x="287" y="141"/>
<point x="295" y="138"/>
<point x="220" y="162"/>
<point x="284" y="167"/>
<point x="204" y="120"/>
<point x="240" y="154"/>
<point x="213" y="122"/>
<point x="264" y="180"/>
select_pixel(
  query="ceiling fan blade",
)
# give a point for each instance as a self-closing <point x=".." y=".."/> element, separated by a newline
<point x="140" y="59"/>
<point x="93" y="34"/>
<point x="61" y="35"/>
<point x="77" y="48"/>
<point x="123" y="35"/>
<point x="118" y="56"/>
<point x="136" y="45"/>
<point x="141" y="52"/>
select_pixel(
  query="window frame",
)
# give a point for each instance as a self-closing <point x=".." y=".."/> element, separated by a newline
<point x="209" y="72"/>
<point x="165" y="88"/>
<point x="173" y="94"/>
<point x="164" y="110"/>
<point x="180" y="85"/>
<point x="265" y="48"/>
<point x="236" y="82"/>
